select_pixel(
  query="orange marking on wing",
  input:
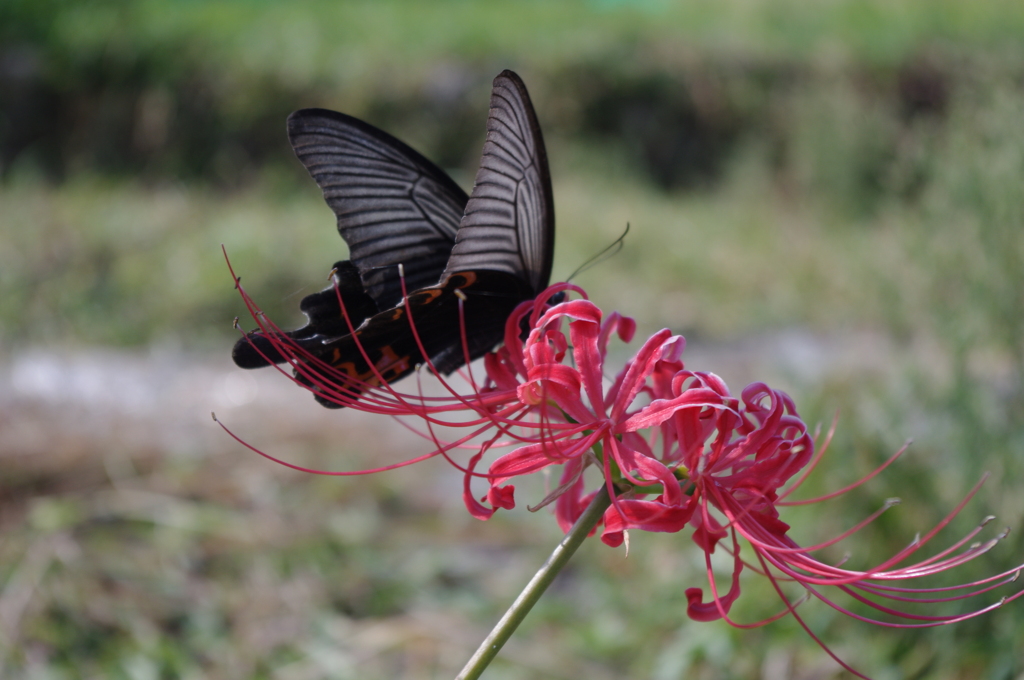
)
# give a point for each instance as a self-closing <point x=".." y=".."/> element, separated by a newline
<point x="348" y="367"/>
<point x="390" y="364"/>
<point x="468" y="279"/>
<point x="430" y="294"/>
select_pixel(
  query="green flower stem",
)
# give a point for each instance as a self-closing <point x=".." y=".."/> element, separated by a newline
<point x="490" y="647"/>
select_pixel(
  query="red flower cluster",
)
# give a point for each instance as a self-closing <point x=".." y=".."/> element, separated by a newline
<point x="674" y="447"/>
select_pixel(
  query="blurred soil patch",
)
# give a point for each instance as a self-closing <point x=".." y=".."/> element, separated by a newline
<point x="133" y="527"/>
<point x="130" y="523"/>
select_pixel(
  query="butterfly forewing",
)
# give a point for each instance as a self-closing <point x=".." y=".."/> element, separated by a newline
<point x="509" y="223"/>
<point x="393" y="205"/>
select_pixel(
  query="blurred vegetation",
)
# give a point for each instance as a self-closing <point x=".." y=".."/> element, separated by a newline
<point x="832" y="167"/>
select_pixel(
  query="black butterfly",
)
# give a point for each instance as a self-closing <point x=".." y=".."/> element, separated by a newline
<point x="395" y="207"/>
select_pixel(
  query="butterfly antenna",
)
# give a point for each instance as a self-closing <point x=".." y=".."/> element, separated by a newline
<point x="610" y="251"/>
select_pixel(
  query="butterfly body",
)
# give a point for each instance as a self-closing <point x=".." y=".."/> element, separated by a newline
<point x="394" y="351"/>
<point x="492" y="249"/>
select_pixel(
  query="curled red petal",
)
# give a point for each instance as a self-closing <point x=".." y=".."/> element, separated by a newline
<point x="502" y="497"/>
<point x="719" y="606"/>
<point x="613" y="534"/>
<point x="660" y="410"/>
<point x="653" y="515"/>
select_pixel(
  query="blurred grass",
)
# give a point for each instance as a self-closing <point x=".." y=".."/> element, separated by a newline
<point x="835" y="169"/>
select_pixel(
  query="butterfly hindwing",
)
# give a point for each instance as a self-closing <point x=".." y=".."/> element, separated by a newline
<point x="325" y="320"/>
<point x="395" y="351"/>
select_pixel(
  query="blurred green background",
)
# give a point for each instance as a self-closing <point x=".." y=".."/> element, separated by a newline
<point x="824" y="195"/>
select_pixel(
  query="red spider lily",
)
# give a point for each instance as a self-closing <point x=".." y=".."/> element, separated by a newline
<point x="674" y="447"/>
<point x="738" y="458"/>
